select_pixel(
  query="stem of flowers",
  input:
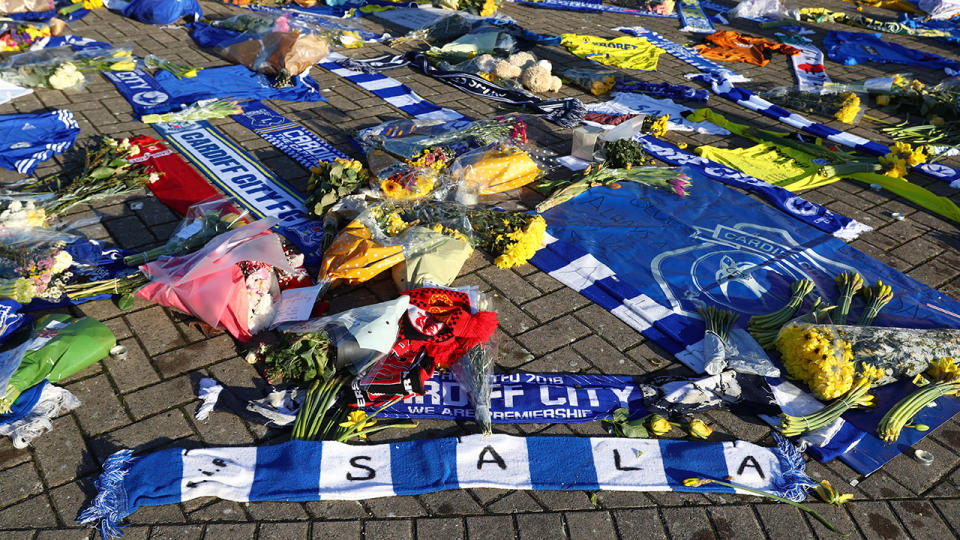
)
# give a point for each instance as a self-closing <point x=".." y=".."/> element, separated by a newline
<point x="903" y="412"/>
<point x="848" y="284"/>
<point x="764" y="328"/>
<point x="877" y="297"/>
<point x="857" y="396"/>
<point x="695" y="482"/>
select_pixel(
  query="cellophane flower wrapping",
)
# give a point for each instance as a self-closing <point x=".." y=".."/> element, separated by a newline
<point x="61" y="68"/>
<point x="597" y="81"/>
<point x="429" y="255"/>
<point x="829" y="357"/>
<point x="211" y="285"/>
<point x="60" y="346"/>
<point x="34" y="263"/>
<point x="19" y="35"/>
<point x="23" y="6"/>
<point x="496" y="168"/>
<point x="272" y="45"/>
<point x="473" y="371"/>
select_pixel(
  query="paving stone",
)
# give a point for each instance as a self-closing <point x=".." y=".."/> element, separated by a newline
<point x="177" y="532"/>
<point x="10" y="456"/>
<point x="155" y="330"/>
<point x="554" y="304"/>
<point x="510" y="284"/>
<point x="19" y="483"/>
<point x="687" y="523"/>
<point x="195" y="356"/>
<point x="780" y="521"/>
<point x="231" y="531"/>
<point x="590" y="525"/>
<point x="553" y="335"/>
<point x="539" y="526"/>
<point x="101" y="410"/>
<point x="735" y="522"/>
<point x="392" y="507"/>
<point x="921" y="519"/>
<point x="276" y="511"/>
<point x="511" y="318"/>
<point x="223" y="429"/>
<point x="876" y="520"/>
<point x="62" y="453"/>
<point x="400" y="529"/>
<point x="917" y="477"/>
<point x="147" y="433"/>
<point x="640" y="524"/>
<point x="33" y="512"/>
<point x="219" y="511"/>
<point x="67" y="534"/>
<point x="564" y="500"/>
<point x="451" y="528"/>
<point x="603" y="356"/>
<point x="490" y="527"/>
<point x="283" y="531"/>
<point x="153" y="399"/>
<point x="134" y="371"/>
<point x="337" y="530"/>
<point x="446" y="503"/>
<point x="518" y="501"/>
<point x="336" y="509"/>
<point x="608" y="326"/>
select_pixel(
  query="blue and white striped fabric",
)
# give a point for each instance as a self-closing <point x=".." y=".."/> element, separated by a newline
<point x="686" y="54"/>
<point x="693" y="17"/>
<point x="722" y="84"/>
<point x="318" y="471"/>
<point x="753" y="102"/>
<point x="301" y="144"/>
<point x="577" y="5"/>
<point x="27" y="140"/>
<point x="787" y="202"/>
<point x="392" y="91"/>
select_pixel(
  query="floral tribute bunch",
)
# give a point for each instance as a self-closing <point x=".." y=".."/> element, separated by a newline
<point x="21" y="35"/>
<point x="40" y="270"/>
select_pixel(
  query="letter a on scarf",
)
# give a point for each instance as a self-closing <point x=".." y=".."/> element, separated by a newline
<point x="626" y="52"/>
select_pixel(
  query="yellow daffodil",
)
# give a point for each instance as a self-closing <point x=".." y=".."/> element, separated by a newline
<point x="658" y="425"/>
<point x="126" y="65"/>
<point x="943" y="369"/>
<point x="696" y="482"/>
<point x="698" y="429"/>
<point x="849" y="109"/>
<point x="659" y="126"/>
<point x="829" y="495"/>
<point x="358" y="420"/>
<point x="873" y="373"/>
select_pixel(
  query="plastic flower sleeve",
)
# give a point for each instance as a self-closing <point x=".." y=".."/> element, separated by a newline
<point x="829" y="357"/>
<point x="496" y="168"/>
<point x="597" y="81"/>
<point x="429" y="255"/>
<point x="204" y="220"/>
<point x="361" y="335"/>
<point x="473" y="371"/>
<point x="210" y="283"/>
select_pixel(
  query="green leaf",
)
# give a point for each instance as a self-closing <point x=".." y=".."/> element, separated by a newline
<point x="634" y="430"/>
<point x="621" y="415"/>
<point x="593" y="500"/>
<point x="125" y="302"/>
<point x="101" y="173"/>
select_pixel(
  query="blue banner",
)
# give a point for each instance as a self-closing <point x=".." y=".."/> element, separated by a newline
<point x="527" y="397"/>
<point x="652" y="258"/>
<point x="301" y="144"/>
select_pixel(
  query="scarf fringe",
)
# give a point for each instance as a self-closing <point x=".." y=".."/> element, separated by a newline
<point x="110" y="504"/>
<point x="569" y="115"/>
<point x="851" y="231"/>
<point x="795" y="480"/>
<point x="374" y="65"/>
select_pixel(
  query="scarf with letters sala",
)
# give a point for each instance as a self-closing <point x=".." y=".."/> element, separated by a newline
<point x="328" y="470"/>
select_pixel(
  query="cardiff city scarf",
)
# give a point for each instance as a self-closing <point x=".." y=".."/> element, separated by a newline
<point x="329" y="470"/>
<point x="597" y="6"/>
<point x="566" y="113"/>
<point x="27" y="140"/>
<point x="850" y="48"/>
<point x="693" y="17"/>
<point x="748" y="99"/>
<point x="390" y="90"/>
<point x="663" y="90"/>
<point x="165" y="92"/>
<point x="686" y="54"/>
<point x="301" y="144"/>
<point x="245" y="179"/>
<point x="718" y="247"/>
<point x="808" y="65"/>
<point x="180" y="186"/>
<point x="787" y="202"/>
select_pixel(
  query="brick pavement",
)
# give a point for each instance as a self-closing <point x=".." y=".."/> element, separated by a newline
<point x="147" y="401"/>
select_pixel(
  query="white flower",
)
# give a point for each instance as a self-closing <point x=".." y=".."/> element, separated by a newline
<point x="61" y="261"/>
<point x="154" y="177"/>
<point x="124" y="145"/>
<point x="15" y="206"/>
<point x="67" y="76"/>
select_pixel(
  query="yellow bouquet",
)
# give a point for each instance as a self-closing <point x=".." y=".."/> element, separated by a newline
<point x="497" y="169"/>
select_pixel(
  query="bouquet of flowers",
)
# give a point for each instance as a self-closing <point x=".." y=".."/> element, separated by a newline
<point x="80" y="4"/>
<point x="298" y="358"/>
<point x="560" y="191"/>
<point x="843" y="106"/>
<point x="203" y="222"/>
<point x="827" y="357"/>
<point x="196" y="112"/>
<point x="494" y="169"/>
<point x="62" y="68"/>
<point x="33" y="264"/>
<point x="22" y="212"/>
<point x="17" y="36"/>
<point x="22" y="6"/>
<point x="483" y="8"/>
<point x="413" y="140"/>
<point x="663" y="7"/>
<point x="60" y="347"/>
<point x="214" y="286"/>
<point x="597" y="81"/>
<point x="180" y="71"/>
<point x="104" y="172"/>
<point x="332" y="180"/>
<point x="444" y="30"/>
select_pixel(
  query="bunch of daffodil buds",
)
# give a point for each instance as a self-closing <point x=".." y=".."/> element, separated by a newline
<point x="179" y="71"/>
<point x="876" y="296"/>
<point x="941" y="379"/>
<point x="653" y="425"/>
<point x="764" y="328"/>
<point x="857" y="396"/>
<point x="848" y="284"/>
<point x="901" y="156"/>
<point x="196" y="112"/>
<point x="829" y="495"/>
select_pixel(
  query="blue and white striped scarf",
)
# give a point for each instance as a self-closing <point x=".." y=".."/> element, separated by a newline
<point x="314" y="471"/>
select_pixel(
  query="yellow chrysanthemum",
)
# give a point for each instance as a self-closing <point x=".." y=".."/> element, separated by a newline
<point x="522" y="244"/>
<point x="816" y="358"/>
<point x="489" y="8"/>
<point x="873" y="373"/>
<point x="849" y="109"/>
<point x="659" y="126"/>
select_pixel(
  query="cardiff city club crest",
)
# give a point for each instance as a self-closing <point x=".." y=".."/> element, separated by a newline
<point x="747" y="268"/>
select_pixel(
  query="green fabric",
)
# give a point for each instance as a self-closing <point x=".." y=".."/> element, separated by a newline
<point x="79" y="344"/>
<point x="794" y="169"/>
